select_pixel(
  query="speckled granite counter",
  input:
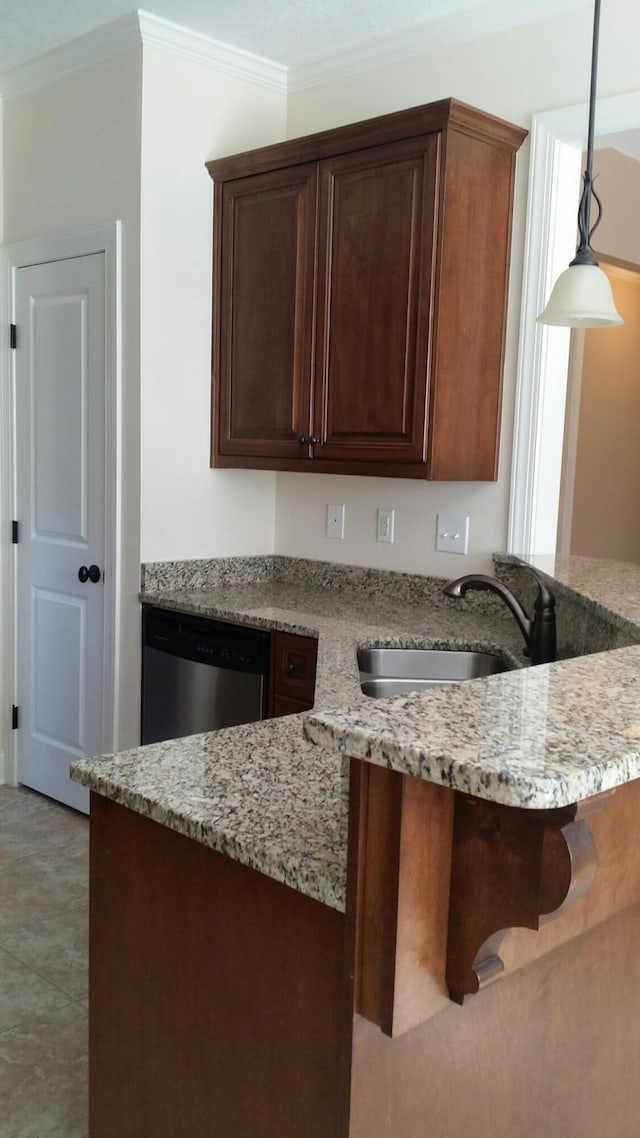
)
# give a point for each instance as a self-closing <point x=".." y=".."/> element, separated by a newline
<point x="538" y="738"/>
<point x="263" y="794"/>
<point x="603" y="588"/>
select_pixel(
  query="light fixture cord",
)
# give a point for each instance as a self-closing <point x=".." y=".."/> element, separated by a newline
<point x="584" y="253"/>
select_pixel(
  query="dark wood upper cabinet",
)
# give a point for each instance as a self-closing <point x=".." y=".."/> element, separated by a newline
<point x="264" y="312"/>
<point x="360" y="284"/>
<point x="375" y="272"/>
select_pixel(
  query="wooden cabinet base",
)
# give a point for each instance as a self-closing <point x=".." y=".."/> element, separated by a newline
<point x="216" y="994"/>
<point x="292" y="674"/>
<point x="222" y="1002"/>
<point x="552" y="1051"/>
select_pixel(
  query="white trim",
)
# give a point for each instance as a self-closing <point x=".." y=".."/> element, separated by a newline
<point x="144" y="28"/>
<point x="543" y="351"/>
<point x="570" y="446"/>
<point x="75" y="55"/>
<point x="7" y="608"/>
<point x="39" y="250"/>
<point x="484" y="19"/>
<point x="166" y="36"/>
<point x="133" y="31"/>
<point x="557" y="141"/>
<point x="629" y="151"/>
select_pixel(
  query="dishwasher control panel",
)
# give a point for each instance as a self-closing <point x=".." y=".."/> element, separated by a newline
<point x="209" y="641"/>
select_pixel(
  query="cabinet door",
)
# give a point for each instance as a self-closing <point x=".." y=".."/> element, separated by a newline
<point x="375" y="279"/>
<point x="292" y="673"/>
<point x="263" y="306"/>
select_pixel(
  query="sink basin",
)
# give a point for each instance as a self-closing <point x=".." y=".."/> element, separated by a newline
<point x="399" y="671"/>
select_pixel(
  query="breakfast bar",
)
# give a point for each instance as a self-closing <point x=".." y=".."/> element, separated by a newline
<point x="384" y="918"/>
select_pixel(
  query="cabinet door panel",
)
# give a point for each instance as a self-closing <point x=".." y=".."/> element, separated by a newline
<point x="377" y="211"/>
<point x="264" y="333"/>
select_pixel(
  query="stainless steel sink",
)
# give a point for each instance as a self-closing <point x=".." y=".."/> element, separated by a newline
<point x="399" y="671"/>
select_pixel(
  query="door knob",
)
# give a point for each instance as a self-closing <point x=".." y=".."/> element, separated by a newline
<point x="91" y="574"/>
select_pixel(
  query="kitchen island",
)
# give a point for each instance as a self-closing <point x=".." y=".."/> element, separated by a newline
<point x="282" y="936"/>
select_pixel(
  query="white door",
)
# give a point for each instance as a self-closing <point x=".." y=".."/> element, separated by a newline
<point x="60" y="504"/>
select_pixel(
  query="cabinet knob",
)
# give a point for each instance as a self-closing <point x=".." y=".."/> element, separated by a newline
<point x="302" y="440"/>
<point x="312" y="440"/>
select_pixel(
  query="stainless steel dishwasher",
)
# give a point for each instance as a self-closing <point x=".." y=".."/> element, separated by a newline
<point x="199" y="674"/>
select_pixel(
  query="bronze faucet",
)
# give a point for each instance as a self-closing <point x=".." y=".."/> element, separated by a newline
<point x="539" y="633"/>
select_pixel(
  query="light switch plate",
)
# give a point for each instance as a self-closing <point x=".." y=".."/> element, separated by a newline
<point x="335" y="522"/>
<point x="452" y="533"/>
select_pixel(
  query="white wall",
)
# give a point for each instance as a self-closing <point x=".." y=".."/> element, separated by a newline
<point x="602" y="440"/>
<point x="190" y="113"/>
<point x="124" y="137"/>
<point x="618" y="186"/>
<point x="71" y="152"/>
<point x="301" y="521"/>
<point x="101" y="145"/>
<point x="132" y="134"/>
<point x="606" y="503"/>
<point x="513" y="75"/>
<point x="71" y="161"/>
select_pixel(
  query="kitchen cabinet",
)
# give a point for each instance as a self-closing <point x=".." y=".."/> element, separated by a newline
<point x="266" y="314"/>
<point x="360" y="283"/>
<point x="227" y="1004"/>
<point x="292" y="673"/>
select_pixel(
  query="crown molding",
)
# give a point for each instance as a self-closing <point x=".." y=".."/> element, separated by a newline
<point x="140" y="29"/>
<point x="166" y="36"/>
<point x="377" y="53"/>
<point x="143" y="28"/>
<point x="489" y="17"/>
<point x="630" y="151"/>
<point x="67" y="59"/>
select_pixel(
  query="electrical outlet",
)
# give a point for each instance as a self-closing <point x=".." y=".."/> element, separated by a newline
<point x="335" y="522"/>
<point x="386" y="520"/>
<point x="452" y="533"/>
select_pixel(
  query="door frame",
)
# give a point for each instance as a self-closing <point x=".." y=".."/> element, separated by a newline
<point x="22" y="254"/>
<point x="558" y="139"/>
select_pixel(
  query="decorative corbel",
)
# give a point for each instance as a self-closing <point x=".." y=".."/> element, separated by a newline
<point x="510" y="868"/>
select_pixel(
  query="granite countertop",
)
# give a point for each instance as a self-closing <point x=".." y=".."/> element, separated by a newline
<point x="262" y="793"/>
<point x="268" y="796"/>
<point x="537" y="738"/>
<point x="610" y="586"/>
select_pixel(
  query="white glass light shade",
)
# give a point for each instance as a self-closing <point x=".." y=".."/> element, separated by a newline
<point x="581" y="298"/>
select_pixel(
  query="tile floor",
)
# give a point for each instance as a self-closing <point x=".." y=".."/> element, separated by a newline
<point x="44" y="858"/>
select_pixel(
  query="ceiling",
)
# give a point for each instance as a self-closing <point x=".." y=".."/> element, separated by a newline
<point x="289" y="32"/>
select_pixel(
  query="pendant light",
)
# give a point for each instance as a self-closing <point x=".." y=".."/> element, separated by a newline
<point x="582" y="296"/>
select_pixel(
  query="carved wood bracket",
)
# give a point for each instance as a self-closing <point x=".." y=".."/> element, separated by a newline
<point x="510" y="868"/>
